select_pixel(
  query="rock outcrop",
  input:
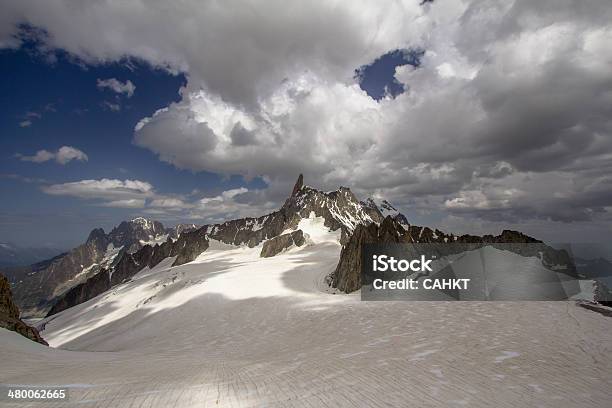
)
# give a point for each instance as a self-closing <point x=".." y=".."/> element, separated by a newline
<point x="347" y="275"/>
<point x="9" y="314"/>
<point x="298" y="185"/>
<point x="278" y="244"/>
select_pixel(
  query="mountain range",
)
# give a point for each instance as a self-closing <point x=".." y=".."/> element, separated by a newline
<point x="107" y="260"/>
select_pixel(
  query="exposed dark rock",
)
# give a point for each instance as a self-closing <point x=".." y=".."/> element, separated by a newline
<point x="9" y="314"/>
<point x="92" y="287"/>
<point x="176" y="232"/>
<point x="298" y="185"/>
<point x="347" y="275"/>
<point x="601" y="308"/>
<point x="189" y="246"/>
<point x="278" y="244"/>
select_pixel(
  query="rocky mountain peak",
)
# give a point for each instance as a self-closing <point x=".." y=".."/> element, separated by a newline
<point x="96" y="235"/>
<point x="144" y="223"/>
<point x="131" y="233"/>
<point x="339" y="208"/>
<point x="298" y="185"/>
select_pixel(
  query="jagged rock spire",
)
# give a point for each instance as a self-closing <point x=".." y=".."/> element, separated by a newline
<point x="298" y="185"/>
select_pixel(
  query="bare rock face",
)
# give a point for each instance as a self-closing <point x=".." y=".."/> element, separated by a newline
<point x="92" y="287"/>
<point x="347" y="276"/>
<point x="298" y="185"/>
<point x="278" y="244"/>
<point x="9" y="315"/>
<point x="188" y="247"/>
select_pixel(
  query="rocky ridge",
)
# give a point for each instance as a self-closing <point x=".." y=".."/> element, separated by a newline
<point x="9" y="315"/>
<point x="276" y="245"/>
<point x="36" y="287"/>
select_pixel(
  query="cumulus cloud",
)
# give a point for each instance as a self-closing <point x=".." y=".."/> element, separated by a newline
<point x="234" y="50"/>
<point x="117" y="86"/>
<point x="507" y="118"/>
<point x="63" y="155"/>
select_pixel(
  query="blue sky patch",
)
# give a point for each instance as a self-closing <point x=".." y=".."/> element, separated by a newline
<point x="378" y="78"/>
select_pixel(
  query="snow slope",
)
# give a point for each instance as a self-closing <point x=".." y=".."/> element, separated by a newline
<point x="234" y="330"/>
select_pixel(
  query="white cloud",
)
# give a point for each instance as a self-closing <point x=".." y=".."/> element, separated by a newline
<point x="64" y="155"/>
<point x="511" y="96"/>
<point x="67" y="153"/>
<point x="219" y="207"/>
<point x="106" y="189"/>
<point x="117" y="86"/>
<point x="141" y="194"/>
<point x="234" y="50"/>
<point x="291" y="133"/>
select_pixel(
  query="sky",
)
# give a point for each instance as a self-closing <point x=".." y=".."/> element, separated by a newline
<point x="470" y="116"/>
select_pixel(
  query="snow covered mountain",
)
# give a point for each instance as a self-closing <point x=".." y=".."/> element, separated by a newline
<point x="37" y="286"/>
<point x="340" y="211"/>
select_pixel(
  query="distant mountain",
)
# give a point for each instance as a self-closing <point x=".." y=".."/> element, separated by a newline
<point x="37" y="286"/>
<point x="14" y="255"/>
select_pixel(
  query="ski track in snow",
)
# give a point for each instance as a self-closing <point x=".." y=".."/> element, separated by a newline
<point x="234" y="330"/>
